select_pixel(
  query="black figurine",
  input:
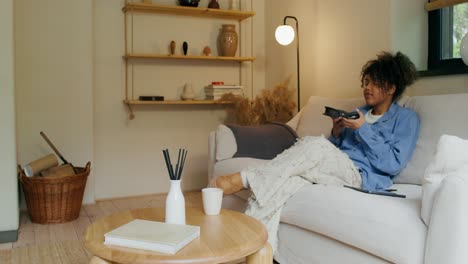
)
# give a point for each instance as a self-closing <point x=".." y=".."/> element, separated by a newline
<point x="185" y="47"/>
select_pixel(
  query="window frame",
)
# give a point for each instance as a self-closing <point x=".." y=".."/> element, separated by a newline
<point x="435" y="64"/>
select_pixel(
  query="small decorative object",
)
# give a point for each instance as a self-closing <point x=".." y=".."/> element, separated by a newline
<point x="234" y="5"/>
<point x="207" y="51"/>
<point x="175" y="202"/>
<point x="464" y="49"/>
<point x="172" y="46"/>
<point x="188" y="93"/>
<point x="192" y="3"/>
<point x="213" y="4"/>
<point x="185" y="47"/>
<point x="228" y="40"/>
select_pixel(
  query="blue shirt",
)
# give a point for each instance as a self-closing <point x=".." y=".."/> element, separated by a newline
<point x="382" y="149"/>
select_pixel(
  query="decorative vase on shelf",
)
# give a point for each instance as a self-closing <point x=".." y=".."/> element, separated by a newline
<point x="213" y="4"/>
<point x="172" y="47"/>
<point x="185" y="47"/>
<point x="228" y="40"/>
<point x="175" y="204"/>
<point x="188" y="93"/>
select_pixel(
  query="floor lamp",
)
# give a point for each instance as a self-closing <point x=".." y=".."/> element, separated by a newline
<point x="284" y="35"/>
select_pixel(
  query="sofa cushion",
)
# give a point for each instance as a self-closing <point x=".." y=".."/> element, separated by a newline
<point x="299" y="246"/>
<point x="263" y="141"/>
<point x="451" y="156"/>
<point x="314" y="123"/>
<point x="365" y="221"/>
<point x="441" y="114"/>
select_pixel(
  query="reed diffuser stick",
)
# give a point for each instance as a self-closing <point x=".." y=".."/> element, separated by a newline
<point x="170" y="170"/>
<point x="177" y="174"/>
<point x="184" y="155"/>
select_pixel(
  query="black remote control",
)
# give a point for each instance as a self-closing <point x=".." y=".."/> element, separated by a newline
<point x="335" y="113"/>
<point x="384" y="193"/>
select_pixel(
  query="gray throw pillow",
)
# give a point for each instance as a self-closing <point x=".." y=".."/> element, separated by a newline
<point x="263" y="141"/>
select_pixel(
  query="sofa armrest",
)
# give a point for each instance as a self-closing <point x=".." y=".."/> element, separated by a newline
<point x="294" y="122"/>
<point x="447" y="234"/>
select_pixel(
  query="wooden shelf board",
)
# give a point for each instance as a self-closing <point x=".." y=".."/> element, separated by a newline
<point x="188" y="11"/>
<point x="188" y="57"/>
<point x="177" y="102"/>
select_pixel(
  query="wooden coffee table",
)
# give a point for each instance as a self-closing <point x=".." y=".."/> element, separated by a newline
<point x="224" y="237"/>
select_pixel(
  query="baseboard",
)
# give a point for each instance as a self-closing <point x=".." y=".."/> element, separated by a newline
<point x="8" y="236"/>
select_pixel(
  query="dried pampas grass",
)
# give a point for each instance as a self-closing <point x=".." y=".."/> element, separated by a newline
<point x="271" y="105"/>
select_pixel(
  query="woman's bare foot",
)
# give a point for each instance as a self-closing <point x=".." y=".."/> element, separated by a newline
<point x="230" y="183"/>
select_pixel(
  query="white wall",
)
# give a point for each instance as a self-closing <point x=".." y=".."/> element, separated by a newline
<point x="54" y="80"/>
<point x="282" y="60"/>
<point x="8" y="187"/>
<point x="128" y="153"/>
<point x="338" y="37"/>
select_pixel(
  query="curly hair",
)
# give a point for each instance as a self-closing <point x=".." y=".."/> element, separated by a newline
<point x="388" y="70"/>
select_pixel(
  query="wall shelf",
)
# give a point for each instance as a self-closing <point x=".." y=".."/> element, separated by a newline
<point x="189" y="57"/>
<point x="131" y="103"/>
<point x="188" y="11"/>
<point x="134" y="9"/>
<point x="177" y="102"/>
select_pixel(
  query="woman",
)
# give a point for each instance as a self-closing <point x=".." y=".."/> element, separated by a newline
<point x="379" y="143"/>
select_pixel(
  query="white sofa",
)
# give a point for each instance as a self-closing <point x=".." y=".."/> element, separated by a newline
<point x="326" y="224"/>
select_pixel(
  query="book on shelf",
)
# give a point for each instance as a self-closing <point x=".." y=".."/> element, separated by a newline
<point x="227" y="86"/>
<point x="152" y="235"/>
<point x="215" y="97"/>
<point x="221" y="93"/>
<point x="222" y="89"/>
<point x="210" y="91"/>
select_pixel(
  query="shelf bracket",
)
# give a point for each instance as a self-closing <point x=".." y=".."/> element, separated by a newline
<point x="131" y="116"/>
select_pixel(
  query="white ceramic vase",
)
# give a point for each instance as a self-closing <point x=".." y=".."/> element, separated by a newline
<point x="175" y="204"/>
<point x="188" y="92"/>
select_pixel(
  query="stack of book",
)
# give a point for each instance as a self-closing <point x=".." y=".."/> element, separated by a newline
<point x="151" y="235"/>
<point x="215" y="91"/>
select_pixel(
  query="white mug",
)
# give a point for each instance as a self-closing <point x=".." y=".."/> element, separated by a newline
<point x="212" y="200"/>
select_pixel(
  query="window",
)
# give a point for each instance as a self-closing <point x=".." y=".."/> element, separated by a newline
<point x="447" y="26"/>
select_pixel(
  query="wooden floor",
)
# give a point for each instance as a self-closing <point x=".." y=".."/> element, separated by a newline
<point x="62" y="243"/>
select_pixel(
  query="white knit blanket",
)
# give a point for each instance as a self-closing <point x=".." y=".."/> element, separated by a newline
<point x="310" y="160"/>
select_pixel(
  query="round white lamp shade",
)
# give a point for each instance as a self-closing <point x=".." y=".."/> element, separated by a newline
<point x="284" y="35"/>
<point x="464" y="49"/>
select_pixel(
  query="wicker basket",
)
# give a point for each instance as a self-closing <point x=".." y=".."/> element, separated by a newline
<point x="54" y="200"/>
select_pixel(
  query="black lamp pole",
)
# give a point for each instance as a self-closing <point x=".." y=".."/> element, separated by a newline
<point x="298" y="68"/>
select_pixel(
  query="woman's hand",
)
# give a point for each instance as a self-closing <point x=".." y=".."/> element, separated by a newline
<point x="338" y="126"/>
<point x="353" y="123"/>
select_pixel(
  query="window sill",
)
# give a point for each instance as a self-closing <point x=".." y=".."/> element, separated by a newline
<point x="443" y="71"/>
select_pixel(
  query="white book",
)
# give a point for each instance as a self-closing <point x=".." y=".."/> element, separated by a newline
<point x="215" y="97"/>
<point x="221" y="93"/>
<point x="207" y="90"/>
<point x="227" y="86"/>
<point x="222" y="89"/>
<point x="152" y="235"/>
